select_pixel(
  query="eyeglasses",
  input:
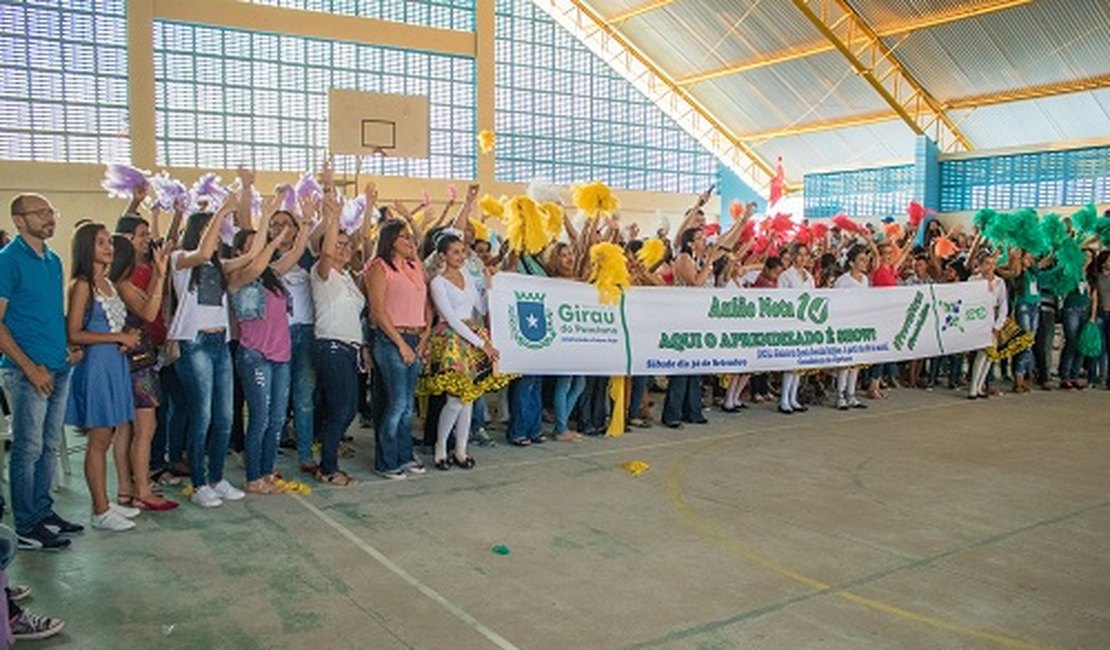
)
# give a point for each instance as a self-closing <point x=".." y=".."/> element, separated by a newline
<point x="45" y="212"/>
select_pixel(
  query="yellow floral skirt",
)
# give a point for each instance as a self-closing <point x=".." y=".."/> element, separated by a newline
<point x="1011" y="341"/>
<point x="455" y="367"/>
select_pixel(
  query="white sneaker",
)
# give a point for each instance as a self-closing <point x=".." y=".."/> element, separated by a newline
<point x="126" y="511"/>
<point x="112" y="520"/>
<point x="841" y="403"/>
<point x="227" y="491"/>
<point x="206" y="497"/>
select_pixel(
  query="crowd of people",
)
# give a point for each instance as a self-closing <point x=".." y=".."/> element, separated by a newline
<point x="256" y="324"/>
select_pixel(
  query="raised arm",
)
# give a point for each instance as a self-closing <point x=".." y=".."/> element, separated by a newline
<point x="258" y="264"/>
<point x="210" y="240"/>
<point x="463" y="217"/>
<point x="286" y="262"/>
<point x="259" y="242"/>
<point x="147" y="304"/>
<point x="246" y="182"/>
<point x="331" y="237"/>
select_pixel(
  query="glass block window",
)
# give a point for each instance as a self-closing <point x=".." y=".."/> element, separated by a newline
<point x="63" y="81"/>
<point x="445" y="14"/>
<point x="562" y="114"/>
<point x="1026" y="180"/>
<point x="226" y="97"/>
<point x="859" y="193"/>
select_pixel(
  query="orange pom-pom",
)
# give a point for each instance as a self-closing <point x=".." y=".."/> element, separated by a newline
<point x="735" y="210"/>
<point x="893" y="231"/>
<point x="943" y="247"/>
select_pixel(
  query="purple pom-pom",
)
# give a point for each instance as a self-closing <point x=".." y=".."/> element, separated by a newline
<point x="124" y="180"/>
<point x="289" y="202"/>
<point x="256" y="202"/>
<point x="228" y="229"/>
<point x="207" y="193"/>
<point x="169" y="193"/>
<point x="307" y="187"/>
<point x="353" y="215"/>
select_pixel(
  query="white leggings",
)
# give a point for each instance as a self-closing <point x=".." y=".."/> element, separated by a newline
<point x="454" y="415"/>
<point x="846" y="383"/>
<point x="790" y="384"/>
<point x="979" y="369"/>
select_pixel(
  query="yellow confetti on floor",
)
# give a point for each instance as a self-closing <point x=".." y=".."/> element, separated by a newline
<point x="635" y="467"/>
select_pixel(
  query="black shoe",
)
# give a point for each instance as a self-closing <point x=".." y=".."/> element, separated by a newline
<point x="699" y="421"/>
<point x="801" y="409"/>
<point x="786" y="411"/>
<point x="443" y="464"/>
<point x="673" y="425"/>
<point x="59" y="526"/>
<point x="40" y="538"/>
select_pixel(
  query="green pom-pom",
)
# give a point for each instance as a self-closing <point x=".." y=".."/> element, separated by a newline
<point x="1090" y="341"/>
<point x="983" y="219"/>
<point x="1084" y="221"/>
<point x="1054" y="230"/>
<point x="1026" y="232"/>
<point x="501" y="549"/>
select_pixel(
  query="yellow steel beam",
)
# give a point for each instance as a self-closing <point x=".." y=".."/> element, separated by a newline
<point x="588" y="25"/>
<point x="848" y="122"/>
<point x="632" y="12"/>
<point x="971" y="101"/>
<point x="1031" y="92"/>
<point x="902" y="27"/>
<point x="876" y="64"/>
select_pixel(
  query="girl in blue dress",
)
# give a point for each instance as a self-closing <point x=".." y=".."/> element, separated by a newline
<point x="100" y="398"/>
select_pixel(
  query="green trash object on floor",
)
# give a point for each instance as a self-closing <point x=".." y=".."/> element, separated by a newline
<point x="501" y="549"/>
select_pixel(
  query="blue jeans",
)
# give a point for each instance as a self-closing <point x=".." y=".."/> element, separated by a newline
<point x="568" y="388"/>
<point x="683" y="400"/>
<point x="398" y="381"/>
<point x="9" y="542"/>
<point x="1027" y="317"/>
<point x="479" y="415"/>
<point x="205" y="372"/>
<point x="639" y="388"/>
<point x="266" y="389"/>
<point x="1070" y="360"/>
<point x="169" y="434"/>
<point x="303" y="373"/>
<point x="525" y="408"/>
<point x="337" y="372"/>
<point x="36" y="439"/>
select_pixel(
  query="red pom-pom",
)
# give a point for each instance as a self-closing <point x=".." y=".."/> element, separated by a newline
<point x="843" y="222"/>
<point x="712" y="229"/>
<point x="916" y="212"/>
<point x="735" y="210"/>
<point x="748" y="232"/>
<point x="819" y="230"/>
<point x="804" y="236"/>
<point x="782" y="223"/>
<point x="760" y="245"/>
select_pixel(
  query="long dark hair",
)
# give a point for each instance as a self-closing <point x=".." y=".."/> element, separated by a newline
<point x="686" y="239"/>
<point x="123" y="259"/>
<point x="387" y="236"/>
<point x="83" y="251"/>
<point x="270" y="280"/>
<point x="190" y="240"/>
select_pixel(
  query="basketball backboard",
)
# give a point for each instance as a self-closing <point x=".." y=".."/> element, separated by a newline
<point x="364" y="124"/>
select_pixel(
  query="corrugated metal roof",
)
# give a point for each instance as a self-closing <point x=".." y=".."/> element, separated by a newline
<point x="1039" y="43"/>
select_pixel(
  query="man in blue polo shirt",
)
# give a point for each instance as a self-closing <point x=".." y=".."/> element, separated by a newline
<point x="34" y="370"/>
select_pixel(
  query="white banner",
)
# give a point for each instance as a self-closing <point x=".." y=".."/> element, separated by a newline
<point x="558" y="327"/>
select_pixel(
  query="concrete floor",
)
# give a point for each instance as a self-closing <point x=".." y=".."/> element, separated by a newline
<point x="925" y="522"/>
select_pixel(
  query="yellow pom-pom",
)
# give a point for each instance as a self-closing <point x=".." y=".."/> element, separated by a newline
<point x="635" y="467"/>
<point x="652" y="253"/>
<point x="486" y="140"/>
<point x="610" y="272"/>
<point x="524" y="225"/>
<point x="481" y="232"/>
<point x="553" y="219"/>
<point x="492" y="207"/>
<point x="188" y="490"/>
<point x="595" y="198"/>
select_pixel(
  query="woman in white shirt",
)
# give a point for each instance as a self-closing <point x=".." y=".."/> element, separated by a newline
<point x="856" y="278"/>
<point x="795" y="277"/>
<point x="1001" y="306"/>
<point x="461" y="356"/>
